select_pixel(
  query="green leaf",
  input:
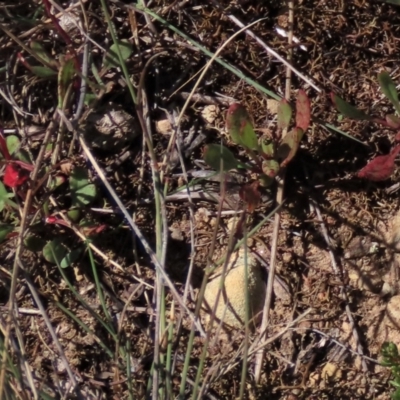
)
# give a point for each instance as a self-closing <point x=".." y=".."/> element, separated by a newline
<point x="289" y="145"/>
<point x="90" y="98"/>
<point x="78" y="179"/>
<point x="82" y="191"/>
<point x="34" y="243"/>
<point x="74" y="214"/>
<point x="65" y="77"/>
<point x="284" y="114"/>
<point x="71" y="257"/>
<point x="111" y="58"/>
<point x="13" y="143"/>
<point x="43" y="72"/>
<point x="5" y="198"/>
<point x="55" y="251"/>
<point x="240" y="127"/>
<point x="56" y="181"/>
<point x="219" y="158"/>
<point x="42" y="53"/>
<point x="395" y="2"/>
<point x="388" y="88"/>
<point x="23" y="155"/>
<point x="348" y="110"/>
<point x="84" y="195"/>
<point x="268" y="147"/>
<point x="5" y="229"/>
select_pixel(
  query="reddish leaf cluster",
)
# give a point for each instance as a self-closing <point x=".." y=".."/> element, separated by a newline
<point x="16" y="172"/>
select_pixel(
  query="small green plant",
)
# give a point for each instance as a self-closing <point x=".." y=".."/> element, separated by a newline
<point x="268" y="156"/>
<point x="16" y="174"/>
<point x="381" y="167"/>
<point x="391" y="359"/>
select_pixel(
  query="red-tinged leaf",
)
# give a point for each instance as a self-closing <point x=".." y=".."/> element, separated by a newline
<point x="251" y="195"/>
<point x="303" y="110"/>
<point x="56" y="221"/>
<point x="393" y="121"/>
<point x="93" y="230"/>
<point x="240" y="127"/>
<point x="381" y="167"/>
<point x="284" y="114"/>
<point x="3" y="147"/>
<point x="289" y="146"/>
<point x="348" y="110"/>
<point x="14" y="176"/>
<point x="24" y="165"/>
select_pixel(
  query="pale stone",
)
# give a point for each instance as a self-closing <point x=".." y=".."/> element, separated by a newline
<point x="231" y="308"/>
<point x="111" y="127"/>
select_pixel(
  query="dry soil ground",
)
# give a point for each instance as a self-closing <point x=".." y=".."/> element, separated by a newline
<point x="337" y="240"/>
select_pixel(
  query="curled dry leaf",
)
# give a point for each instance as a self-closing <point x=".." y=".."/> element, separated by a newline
<point x="381" y="167"/>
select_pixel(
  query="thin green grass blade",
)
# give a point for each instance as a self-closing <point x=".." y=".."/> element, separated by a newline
<point x="329" y="126"/>
<point x="98" y="285"/>
<point x="388" y="88"/>
<point x="129" y="370"/>
<point x="122" y="63"/>
<point x="208" y="53"/>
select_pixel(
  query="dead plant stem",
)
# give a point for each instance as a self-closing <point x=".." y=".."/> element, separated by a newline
<point x="279" y="200"/>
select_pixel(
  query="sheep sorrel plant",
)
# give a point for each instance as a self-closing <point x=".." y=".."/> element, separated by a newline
<point x="269" y="156"/>
<point x="381" y="167"/>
